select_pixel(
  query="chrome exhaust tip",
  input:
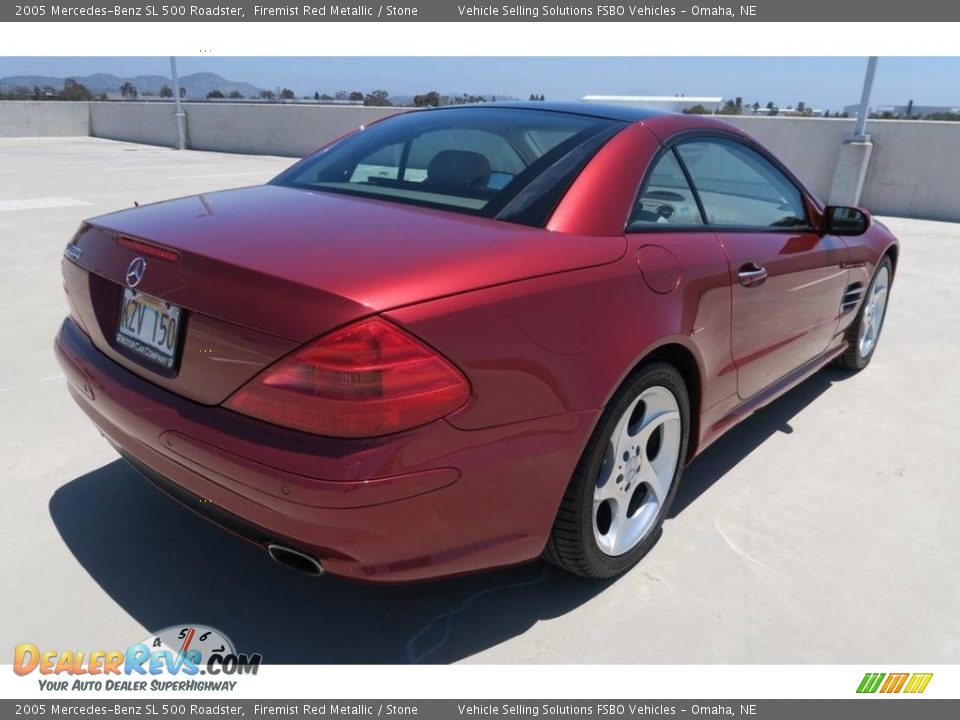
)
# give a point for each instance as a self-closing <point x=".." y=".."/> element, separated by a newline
<point x="295" y="559"/>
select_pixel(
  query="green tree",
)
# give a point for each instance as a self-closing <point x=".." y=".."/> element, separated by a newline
<point x="287" y="94"/>
<point x="378" y="98"/>
<point x="467" y="99"/>
<point x="20" y="92"/>
<point x="235" y="95"/>
<point x="72" y="90"/>
<point x="316" y="95"/>
<point x="214" y="95"/>
<point x="45" y="93"/>
<point x="356" y="96"/>
<point x="128" y="91"/>
<point x="267" y="95"/>
<point x="166" y="91"/>
<point x="697" y="109"/>
<point x="430" y="99"/>
<point x="183" y="93"/>
<point x="729" y="108"/>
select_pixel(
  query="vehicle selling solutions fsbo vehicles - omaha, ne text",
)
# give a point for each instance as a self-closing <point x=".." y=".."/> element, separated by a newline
<point x="467" y="337"/>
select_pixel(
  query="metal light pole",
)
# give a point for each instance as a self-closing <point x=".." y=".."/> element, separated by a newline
<point x="860" y="131"/>
<point x="179" y="116"/>
<point x="850" y="173"/>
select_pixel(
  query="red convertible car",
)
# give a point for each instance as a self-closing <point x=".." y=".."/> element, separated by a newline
<point x="465" y="337"/>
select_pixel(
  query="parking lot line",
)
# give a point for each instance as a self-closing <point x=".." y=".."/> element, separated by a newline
<point x="40" y="203"/>
<point x="218" y="175"/>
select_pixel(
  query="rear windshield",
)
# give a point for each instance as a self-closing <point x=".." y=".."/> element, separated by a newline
<point x="470" y="160"/>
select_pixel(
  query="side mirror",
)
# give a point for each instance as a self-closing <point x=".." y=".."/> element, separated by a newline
<point x="840" y="220"/>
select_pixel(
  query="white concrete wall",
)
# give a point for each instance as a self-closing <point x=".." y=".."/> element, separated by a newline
<point x="255" y="129"/>
<point x="272" y="129"/>
<point x="139" y="122"/>
<point x="43" y="118"/>
<point x="914" y="170"/>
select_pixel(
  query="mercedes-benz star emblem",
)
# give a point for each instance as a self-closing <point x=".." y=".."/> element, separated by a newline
<point x="135" y="271"/>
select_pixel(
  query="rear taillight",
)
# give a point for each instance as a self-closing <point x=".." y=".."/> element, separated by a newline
<point x="367" y="379"/>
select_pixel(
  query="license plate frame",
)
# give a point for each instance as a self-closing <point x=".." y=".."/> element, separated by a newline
<point x="149" y="328"/>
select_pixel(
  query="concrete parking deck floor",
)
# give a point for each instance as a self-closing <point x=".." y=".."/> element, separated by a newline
<point x="822" y="530"/>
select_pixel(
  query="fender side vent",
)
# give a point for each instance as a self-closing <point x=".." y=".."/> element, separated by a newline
<point x="851" y="297"/>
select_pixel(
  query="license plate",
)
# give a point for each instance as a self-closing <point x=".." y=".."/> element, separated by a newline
<point x="149" y="326"/>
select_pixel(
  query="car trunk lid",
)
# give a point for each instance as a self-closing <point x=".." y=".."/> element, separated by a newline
<point x="261" y="270"/>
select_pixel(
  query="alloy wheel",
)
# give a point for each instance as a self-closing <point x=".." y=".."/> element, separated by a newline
<point x="637" y="471"/>
<point x="873" y="312"/>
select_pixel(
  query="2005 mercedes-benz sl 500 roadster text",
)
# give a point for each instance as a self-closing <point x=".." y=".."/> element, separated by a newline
<point x="465" y="337"/>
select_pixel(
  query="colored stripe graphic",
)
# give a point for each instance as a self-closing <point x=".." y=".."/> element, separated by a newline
<point x="894" y="683"/>
<point x="918" y="682"/>
<point x="870" y="682"/>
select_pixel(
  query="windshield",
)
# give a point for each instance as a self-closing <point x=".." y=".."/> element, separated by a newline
<point x="471" y="160"/>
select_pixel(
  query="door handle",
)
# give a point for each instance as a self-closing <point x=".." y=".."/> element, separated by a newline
<point x="752" y="274"/>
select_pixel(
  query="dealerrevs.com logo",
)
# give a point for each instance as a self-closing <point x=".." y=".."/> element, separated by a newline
<point x="910" y="683"/>
<point x="172" y="659"/>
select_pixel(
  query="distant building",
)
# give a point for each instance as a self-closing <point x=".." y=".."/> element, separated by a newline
<point x="672" y="103"/>
<point x="787" y="112"/>
<point x="914" y="110"/>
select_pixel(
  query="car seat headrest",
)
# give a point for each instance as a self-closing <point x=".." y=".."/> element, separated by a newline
<point x="459" y="168"/>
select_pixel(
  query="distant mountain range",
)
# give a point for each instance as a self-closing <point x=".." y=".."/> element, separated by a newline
<point x="197" y="84"/>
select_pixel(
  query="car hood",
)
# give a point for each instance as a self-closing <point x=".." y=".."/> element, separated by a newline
<point x="351" y="256"/>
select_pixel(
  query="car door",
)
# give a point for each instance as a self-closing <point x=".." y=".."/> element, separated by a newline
<point x="787" y="281"/>
<point x="681" y="260"/>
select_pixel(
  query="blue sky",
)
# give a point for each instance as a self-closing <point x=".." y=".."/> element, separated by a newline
<point x="821" y="82"/>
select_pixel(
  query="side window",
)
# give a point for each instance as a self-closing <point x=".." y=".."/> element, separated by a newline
<point x="666" y="198"/>
<point x="740" y="188"/>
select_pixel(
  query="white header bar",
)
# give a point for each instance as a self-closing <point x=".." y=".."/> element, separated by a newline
<point x="487" y="39"/>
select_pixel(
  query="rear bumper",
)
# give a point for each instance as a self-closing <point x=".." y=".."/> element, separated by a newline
<point x="425" y="503"/>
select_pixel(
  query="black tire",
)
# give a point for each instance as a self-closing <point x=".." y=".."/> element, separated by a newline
<point x="572" y="545"/>
<point x="852" y="358"/>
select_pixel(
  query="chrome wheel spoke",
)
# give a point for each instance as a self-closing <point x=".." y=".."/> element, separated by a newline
<point x="616" y="533"/>
<point x="658" y="486"/>
<point x="605" y="491"/>
<point x="655" y="422"/>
